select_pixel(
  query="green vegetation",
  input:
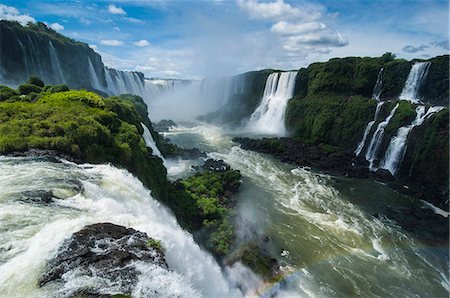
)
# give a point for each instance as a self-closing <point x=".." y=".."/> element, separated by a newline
<point x="7" y="93"/>
<point x="333" y="121"/>
<point x="34" y="80"/>
<point x="26" y="89"/>
<point x="155" y="244"/>
<point x="394" y="77"/>
<point x="404" y="115"/>
<point x="204" y="202"/>
<point x="252" y="256"/>
<point x="84" y="126"/>
<point x="89" y="98"/>
<point x="56" y="88"/>
<point x="436" y="86"/>
<point x="430" y="154"/>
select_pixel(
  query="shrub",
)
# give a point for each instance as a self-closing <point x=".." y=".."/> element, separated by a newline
<point x="6" y="92"/>
<point x="34" y="80"/>
<point x="89" y="98"/>
<point x="155" y="244"/>
<point x="58" y="88"/>
<point x="26" y="89"/>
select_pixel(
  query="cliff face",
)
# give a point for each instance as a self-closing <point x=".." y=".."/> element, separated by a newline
<point x="37" y="50"/>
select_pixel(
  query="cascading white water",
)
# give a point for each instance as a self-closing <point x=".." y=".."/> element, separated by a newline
<point x="95" y="82"/>
<point x="33" y="231"/>
<point x="151" y="143"/>
<point x="56" y="65"/>
<point x="376" y="94"/>
<point x="269" y="116"/>
<point x="361" y="144"/>
<point x="416" y="77"/>
<point x="377" y="137"/>
<point x="397" y="146"/>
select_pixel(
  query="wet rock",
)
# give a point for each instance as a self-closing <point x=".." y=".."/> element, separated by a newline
<point x="104" y="251"/>
<point x="192" y="153"/>
<point x="384" y="175"/>
<point x="37" y="196"/>
<point x="164" y="125"/>
<point x="215" y="165"/>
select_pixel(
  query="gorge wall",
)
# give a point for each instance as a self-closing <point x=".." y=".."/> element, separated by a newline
<point x="38" y="50"/>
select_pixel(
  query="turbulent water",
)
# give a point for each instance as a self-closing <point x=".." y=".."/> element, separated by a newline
<point x="415" y="79"/>
<point x="31" y="230"/>
<point x="268" y="118"/>
<point x="322" y="228"/>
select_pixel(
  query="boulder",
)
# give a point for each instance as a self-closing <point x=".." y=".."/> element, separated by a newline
<point x="215" y="165"/>
<point x="384" y="175"/>
<point x="105" y="251"/>
<point x="164" y="125"/>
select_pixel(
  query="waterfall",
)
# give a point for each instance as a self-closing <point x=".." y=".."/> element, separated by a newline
<point x="24" y="58"/>
<point x="416" y="77"/>
<point x="95" y="82"/>
<point x="398" y="144"/>
<point x="377" y="137"/>
<point x="361" y="144"/>
<point x="376" y="94"/>
<point x="56" y="65"/>
<point x="83" y="195"/>
<point x="269" y="116"/>
<point x="149" y="142"/>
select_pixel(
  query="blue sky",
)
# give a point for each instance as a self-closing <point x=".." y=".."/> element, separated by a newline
<point x="192" y="39"/>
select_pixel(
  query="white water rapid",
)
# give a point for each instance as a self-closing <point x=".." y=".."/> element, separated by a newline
<point x="32" y="231"/>
<point x="377" y="137"/>
<point x="268" y="118"/>
<point x="416" y="76"/>
<point x="397" y="146"/>
<point x="361" y="144"/>
<point x="322" y="228"/>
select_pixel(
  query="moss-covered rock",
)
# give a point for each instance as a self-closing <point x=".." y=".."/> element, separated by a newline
<point x="334" y="120"/>
<point x="205" y="202"/>
<point x="435" y="87"/>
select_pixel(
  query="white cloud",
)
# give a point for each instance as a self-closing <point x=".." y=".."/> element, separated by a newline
<point x="56" y="26"/>
<point x="323" y="38"/>
<point x="111" y="42"/>
<point x="94" y="47"/>
<point x="112" y="9"/>
<point x="134" y="20"/>
<point x="141" y="43"/>
<point x="278" y="10"/>
<point x="286" y="28"/>
<point x="11" y="13"/>
<point x="299" y="31"/>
